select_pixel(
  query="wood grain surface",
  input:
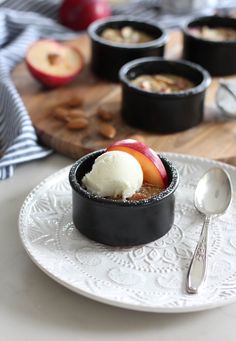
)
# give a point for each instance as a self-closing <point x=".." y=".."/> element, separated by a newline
<point x="214" y="138"/>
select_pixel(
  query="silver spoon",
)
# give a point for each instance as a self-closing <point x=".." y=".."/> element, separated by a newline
<point x="212" y="197"/>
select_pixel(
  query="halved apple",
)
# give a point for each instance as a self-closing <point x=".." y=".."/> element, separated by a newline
<point x="154" y="171"/>
<point x="53" y="63"/>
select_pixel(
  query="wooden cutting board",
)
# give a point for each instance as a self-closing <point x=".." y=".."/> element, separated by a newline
<point x="213" y="138"/>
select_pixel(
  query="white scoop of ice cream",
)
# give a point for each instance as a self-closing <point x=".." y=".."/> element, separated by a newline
<point x="113" y="174"/>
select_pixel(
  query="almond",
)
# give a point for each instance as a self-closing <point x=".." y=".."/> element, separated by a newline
<point x="164" y="79"/>
<point x="107" y="130"/>
<point x="78" y="123"/>
<point x="76" y="113"/>
<point x="104" y="114"/>
<point x="60" y="114"/>
<point x="72" y="102"/>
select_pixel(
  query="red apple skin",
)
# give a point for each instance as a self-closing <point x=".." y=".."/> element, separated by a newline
<point x="154" y="171"/>
<point x="48" y="80"/>
<point x="79" y="14"/>
<point x="52" y="81"/>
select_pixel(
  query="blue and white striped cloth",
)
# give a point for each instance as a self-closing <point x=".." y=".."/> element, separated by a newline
<point x="18" y="140"/>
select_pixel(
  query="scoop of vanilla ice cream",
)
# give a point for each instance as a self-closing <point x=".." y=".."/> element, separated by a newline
<point x="113" y="174"/>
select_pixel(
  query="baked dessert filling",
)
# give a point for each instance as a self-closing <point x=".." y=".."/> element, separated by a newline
<point x="162" y="83"/>
<point x="146" y="191"/>
<point x="126" y="35"/>
<point x="214" y="33"/>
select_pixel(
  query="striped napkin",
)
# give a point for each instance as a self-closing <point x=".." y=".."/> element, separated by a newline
<point x="18" y="140"/>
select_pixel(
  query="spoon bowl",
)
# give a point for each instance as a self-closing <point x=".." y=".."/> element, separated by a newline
<point x="213" y="195"/>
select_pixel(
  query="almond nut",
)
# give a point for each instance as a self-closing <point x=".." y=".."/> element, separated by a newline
<point x="78" y="123"/>
<point x="104" y="114"/>
<point x="164" y="79"/>
<point x="76" y="113"/>
<point x="60" y="114"/>
<point x="107" y="130"/>
<point x="72" y="102"/>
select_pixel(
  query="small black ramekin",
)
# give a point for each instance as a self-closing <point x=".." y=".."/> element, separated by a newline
<point x="218" y="57"/>
<point x="163" y="112"/>
<point x="108" y="57"/>
<point x="121" y="223"/>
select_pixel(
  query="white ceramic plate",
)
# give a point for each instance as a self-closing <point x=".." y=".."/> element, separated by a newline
<point x="149" y="277"/>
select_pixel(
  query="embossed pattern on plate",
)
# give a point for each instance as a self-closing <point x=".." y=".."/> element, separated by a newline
<point x="150" y="277"/>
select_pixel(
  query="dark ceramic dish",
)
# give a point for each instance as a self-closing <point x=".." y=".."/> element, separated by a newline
<point x="121" y="223"/>
<point x="163" y="112"/>
<point x="108" y="57"/>
<point x="218" y="57"/>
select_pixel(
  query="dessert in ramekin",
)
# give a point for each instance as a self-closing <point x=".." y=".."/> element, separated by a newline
<point x="211" y="42"/>
<point x="109" y="55"/>
<point x="171" y="109"/>
<point x="109" y="205"/>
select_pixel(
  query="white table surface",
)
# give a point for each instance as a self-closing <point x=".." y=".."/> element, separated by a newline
<point x="34" y="307"/>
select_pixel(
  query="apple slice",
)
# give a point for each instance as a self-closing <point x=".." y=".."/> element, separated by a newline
<point x="154" y="171"/>
<point x="53" y="63"/>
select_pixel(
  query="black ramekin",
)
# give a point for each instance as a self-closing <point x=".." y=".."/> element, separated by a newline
<point x="108" y="57"/>
<point x="218" y="57"/>
<point x="121" y="223"/>
<point x="163" y="112"/>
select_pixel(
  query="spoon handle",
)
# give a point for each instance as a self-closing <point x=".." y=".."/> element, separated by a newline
<point x="197" y="269"/>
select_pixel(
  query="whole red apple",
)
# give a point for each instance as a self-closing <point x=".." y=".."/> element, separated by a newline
<point x="79" y="14"/>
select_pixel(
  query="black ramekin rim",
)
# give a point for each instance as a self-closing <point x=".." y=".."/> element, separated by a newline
<point x="185" y="93"/>
<point x="131" y="203"/>
<point x="158" y="42"/>
<point x="186" y="27"/>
